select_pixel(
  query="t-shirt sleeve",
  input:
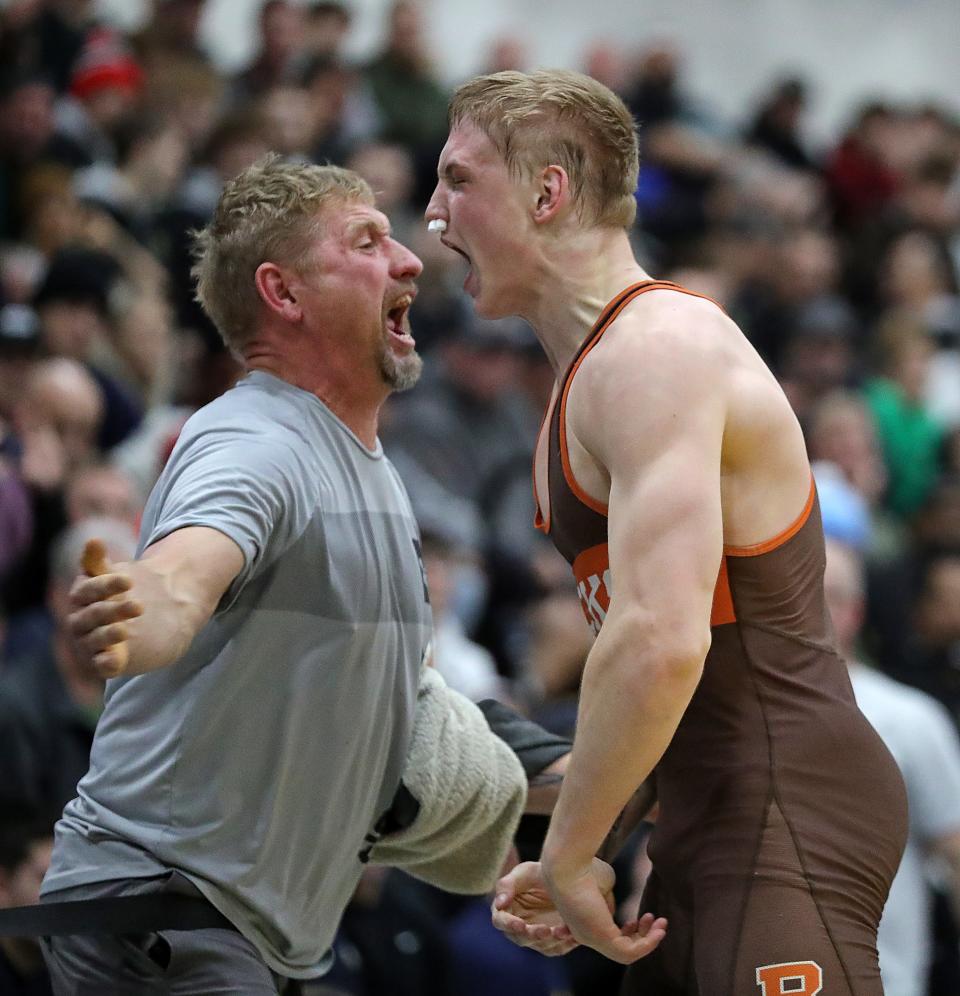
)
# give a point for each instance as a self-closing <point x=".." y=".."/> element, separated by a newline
<point x="249" y="489"/>
<point x="934" y="781"/>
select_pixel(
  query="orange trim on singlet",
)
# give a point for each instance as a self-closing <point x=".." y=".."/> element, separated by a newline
<point x="771" y="544"/>
<point x="722" y="610"/>
<point x="603" y="323"/>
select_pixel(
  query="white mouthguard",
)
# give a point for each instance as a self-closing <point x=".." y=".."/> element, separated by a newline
<point x="437" y="225"/>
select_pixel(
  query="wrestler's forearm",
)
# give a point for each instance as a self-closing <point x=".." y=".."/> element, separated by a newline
<point x="631" y="702"/>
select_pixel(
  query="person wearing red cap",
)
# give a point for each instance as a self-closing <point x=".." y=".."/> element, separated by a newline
<point x="105" y="86"/>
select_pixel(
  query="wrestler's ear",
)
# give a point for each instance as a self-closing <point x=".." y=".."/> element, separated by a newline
<point x="276" y="292"/>
<point x="552" y="193"/>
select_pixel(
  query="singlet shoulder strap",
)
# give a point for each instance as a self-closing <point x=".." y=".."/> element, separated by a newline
<point x="606" y="319"/>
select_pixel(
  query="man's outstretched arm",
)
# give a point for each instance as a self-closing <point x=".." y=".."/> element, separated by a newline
<point x="138" y="616"/>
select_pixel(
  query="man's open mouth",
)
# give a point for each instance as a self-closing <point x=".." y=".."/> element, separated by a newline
<point x="396" y="318"/>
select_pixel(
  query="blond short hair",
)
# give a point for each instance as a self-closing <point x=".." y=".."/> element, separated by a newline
<point x="270" y="211"/>
<point x="563" y="118"/>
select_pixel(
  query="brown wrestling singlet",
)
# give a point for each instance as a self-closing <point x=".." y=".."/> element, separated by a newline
<point x="782" y="815"/>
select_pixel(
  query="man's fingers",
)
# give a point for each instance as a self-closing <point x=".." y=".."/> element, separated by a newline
<point x="105" y="637"/>
<point x="99" y="614"/>
<point x="86" y="591"/>
<point x="111" y="663"/>
<point x="525" y="876"/>
<point x="538" y="936"/>
<point x="519" y="931"/>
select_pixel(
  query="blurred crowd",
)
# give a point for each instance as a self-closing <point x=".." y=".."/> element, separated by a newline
<point x="840" y="263"/>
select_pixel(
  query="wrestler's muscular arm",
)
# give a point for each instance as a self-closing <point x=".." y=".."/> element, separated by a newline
<point x="149" y="610"/>
<point x="648" y="409"/>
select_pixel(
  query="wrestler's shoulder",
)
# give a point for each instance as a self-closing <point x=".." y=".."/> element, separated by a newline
<point x="664" y="331"/>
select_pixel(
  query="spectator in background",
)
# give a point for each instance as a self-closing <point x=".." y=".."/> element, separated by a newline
<point x="924" y="742"/>
<point x="19" y="347"/>
<point x="464" y="664"/>
<point x="776" y="126"/>
<point x="802" y="266"/>
<point x="468" y="419"/>
<point x="172" y="33"/>
<point x="26" y="137"/>
<point x="102" y="490"/>
<point x="408" y="93"/>
<point x="911" y="439"/>
<point x="290" y="120"/>
<point x="19" y="353"/>
<point x="326" y="28"/>
<point x="345" y="111"/>
<point x="105" y="86"/>
<point x="50" y="699"/>
<point x="389" y="169"/>
<point x="605" y="62"/>
<point x="279" y="50"/>
<point x="74" y="304"/>
<point x="62" y="397"/>
<point x="152" y="155"/>
<point x="39" y="36"/>
<point x="934" y="661"/>
<point x="819" y="354"/>
<point x="859" y="174"/>
<point x="51" y="216"/>
<point x="507" y="52"/>
<point x="237" y="140"/>
<point x="188" y="94"/>
<point x="26" y="838"/>
<point x="56" y="424"/>
<point x="840" y="431"/>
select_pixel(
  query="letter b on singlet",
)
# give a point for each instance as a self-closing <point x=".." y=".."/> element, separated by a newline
<point x="794" y="978"/>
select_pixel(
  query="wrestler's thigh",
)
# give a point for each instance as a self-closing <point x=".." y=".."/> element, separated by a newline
<point x="780" y="942"/>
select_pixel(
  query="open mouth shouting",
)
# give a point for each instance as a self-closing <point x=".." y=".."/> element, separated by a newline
<point x="469" y="283"/>
<point x="398" y="322"/>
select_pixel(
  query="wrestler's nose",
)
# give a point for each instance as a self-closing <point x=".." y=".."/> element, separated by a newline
<point x="436" y="213"/>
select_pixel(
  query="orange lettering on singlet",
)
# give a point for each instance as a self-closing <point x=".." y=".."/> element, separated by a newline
<point x="794" y="978"/>
<point x="592" y="572"/>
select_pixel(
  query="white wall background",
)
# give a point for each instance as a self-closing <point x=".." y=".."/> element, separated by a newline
<point x="850" y="49"/>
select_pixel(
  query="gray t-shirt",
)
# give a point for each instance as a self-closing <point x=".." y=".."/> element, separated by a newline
<point x="257" y="762"/>
<point x="921" y="736"/>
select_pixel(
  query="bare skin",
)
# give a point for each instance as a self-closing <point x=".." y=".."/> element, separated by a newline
<point x="677" y="427"/>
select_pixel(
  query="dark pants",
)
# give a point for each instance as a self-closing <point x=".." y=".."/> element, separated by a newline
<point x="166" y="963"/>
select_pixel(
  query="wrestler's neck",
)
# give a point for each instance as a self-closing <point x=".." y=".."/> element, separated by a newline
<point x="579" y="275"/>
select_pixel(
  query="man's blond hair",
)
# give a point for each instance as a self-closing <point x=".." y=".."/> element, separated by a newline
<point x="270" y="211"/>
<point x="556" y="117"/>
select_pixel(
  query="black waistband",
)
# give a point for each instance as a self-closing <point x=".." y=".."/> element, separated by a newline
<point x="113" y="915"/>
